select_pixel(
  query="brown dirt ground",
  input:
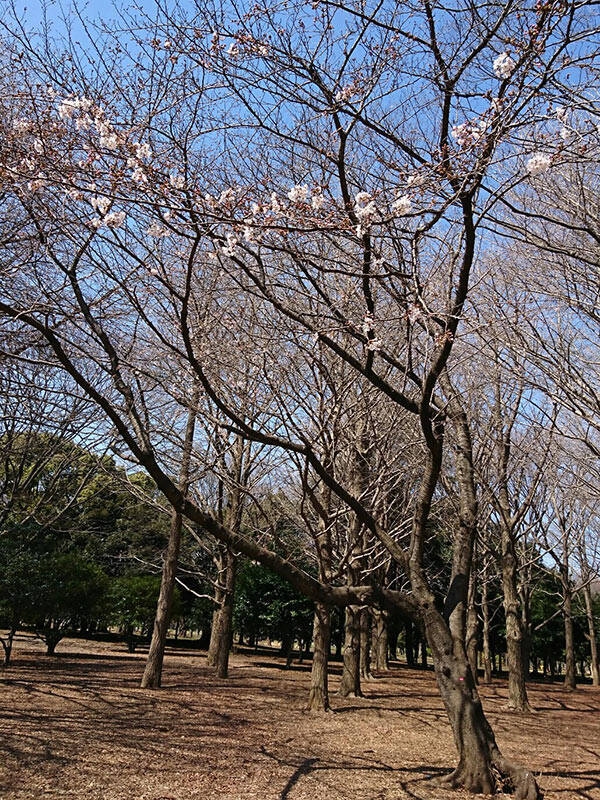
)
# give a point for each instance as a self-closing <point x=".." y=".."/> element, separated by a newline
<point x="77" y="726"/>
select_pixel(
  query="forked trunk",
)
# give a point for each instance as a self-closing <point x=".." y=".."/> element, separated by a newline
<point x="222" y="629"/>
<point x="318" y="698"/>
<point x="7" y="644"/>
<point x="350" y="685"/>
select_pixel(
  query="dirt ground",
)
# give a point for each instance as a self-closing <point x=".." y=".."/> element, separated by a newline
<point x="77" y="726"/>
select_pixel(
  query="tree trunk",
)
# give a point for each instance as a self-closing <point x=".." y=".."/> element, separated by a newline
<point x="222" y="627"/>
<point x="380" y="640"/>
<point x="472" y="629"/>
<point x="570" y="677"/>
<point x="409" y="644"/>
<point x="318" y="698"/>
<point x="485" y="610"/>
<point x="7" y="644"/>
<point x="481" y="766"/>
<point x="350" y="685"/>
<point x="152" y="676"/>
<point x="517" y="691"/>
<point x="589" y="612"/>
<point x="153" y="670"/>
<point x="365" y="644"/>
<point x="53" y="637"/>
<point x="424" y="664"/>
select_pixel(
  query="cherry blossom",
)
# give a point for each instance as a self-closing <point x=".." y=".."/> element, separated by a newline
<point x="504" y="66"/>
<point x="539" y="163"/>
<point x="402" y="205"/>
<point x="298" y="194"/>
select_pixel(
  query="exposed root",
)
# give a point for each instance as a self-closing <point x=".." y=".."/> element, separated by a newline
<point x="504" y="778"/>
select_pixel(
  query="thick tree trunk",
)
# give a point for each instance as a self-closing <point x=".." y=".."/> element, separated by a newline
<point x="318" y="698"/>
<point x="366" y="626"/>
<point x="481" y="766"/>
<point x="570" y="677"/>
<point x="380" y="640"/>
<point x="53" y="637"/>
<point x="587" y="596"/>
<point x="350" y="685"/>
<point x="152" y="676"/>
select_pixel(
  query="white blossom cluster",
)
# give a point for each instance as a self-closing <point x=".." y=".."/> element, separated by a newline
<point x="504" y="66"/>
<point x="113" y="220"/>
<point x="402" y="205"/>
<point x="344" y="94"/>
<point x="298" y="194"/>
<point x="157" y="231"/>
<point x="364" y="208"/>
<point x="539" y="163"/>
<point x="469" y="133"/>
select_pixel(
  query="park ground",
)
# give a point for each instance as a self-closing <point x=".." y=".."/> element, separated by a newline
<point x="77" y="726"/>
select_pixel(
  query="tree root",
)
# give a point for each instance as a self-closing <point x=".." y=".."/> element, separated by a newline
<point x="504" y="778"/>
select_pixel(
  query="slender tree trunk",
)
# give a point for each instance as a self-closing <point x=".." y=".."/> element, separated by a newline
<point x="350" y="685"/>
<point x="570" y="677"/>
<point x="7" y="644"/>
<point x="318" y="698"/>
<point x="213" y="646"/>
<point x="472" y="627"/>
<point x="589" y="612"/>
<point x="424" y="663"/>
<point x="485" y="610"/>
<point x="222" y="629"/>
<point x="366" y="627"/>
<point x="380" y="640"/>
<point x="517" y="691"/>
<point x="152" y="676"/>
<point x="409" y="644"/>
<point x="153" y="671"/>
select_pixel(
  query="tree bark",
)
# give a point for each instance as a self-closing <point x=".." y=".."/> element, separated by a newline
<point x="589" y="613"/>
<point x="7" y="644"/>
<point x="365" y="644"/>
<point x="380" y="639"/>
<point x="485" y="610"/>
<point x="480" y="760"/>
<point x="222" y="628"/>
<point x="152" y="676"/>
<point x="350" y="685"/>
<point x="318" y="698"/>
<point x="472" y="628"/>
<point x="570" y="676"/>
<point x="517" y="690"/>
